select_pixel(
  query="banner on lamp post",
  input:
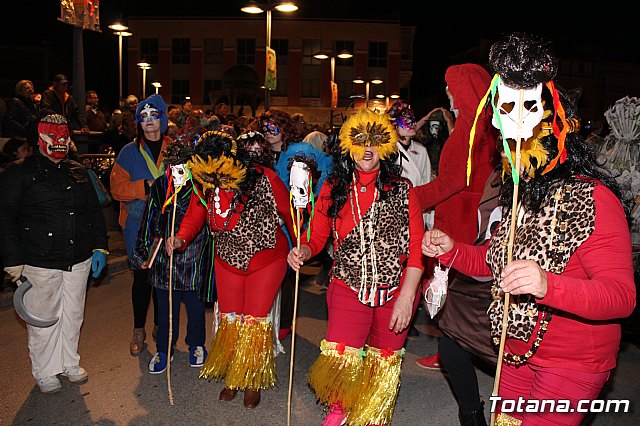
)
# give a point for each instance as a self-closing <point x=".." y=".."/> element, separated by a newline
<point x="334" y="95"/>
<point x="81" y="13"/>
<point x="271" y="76"/>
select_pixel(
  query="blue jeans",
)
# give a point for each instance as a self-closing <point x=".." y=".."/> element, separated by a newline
<point x="196" y="329"/>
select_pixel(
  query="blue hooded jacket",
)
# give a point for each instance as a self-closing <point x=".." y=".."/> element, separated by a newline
<point x="158" y="103"/>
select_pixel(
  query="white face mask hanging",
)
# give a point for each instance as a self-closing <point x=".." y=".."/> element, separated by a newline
<point x="299" y="182"/>
<point x="436" y="293"/>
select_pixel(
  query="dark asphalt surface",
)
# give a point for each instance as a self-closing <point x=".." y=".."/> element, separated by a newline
<point x="121" y="392"/>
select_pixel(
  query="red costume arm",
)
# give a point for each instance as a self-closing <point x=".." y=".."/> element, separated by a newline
<point x="322" y="223"/>
<point x="598" y="283"/>
<point x="416" y="229"/>
<point x="193" y="220"/>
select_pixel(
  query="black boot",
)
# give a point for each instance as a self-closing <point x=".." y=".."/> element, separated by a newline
<point x="472" y="418"/>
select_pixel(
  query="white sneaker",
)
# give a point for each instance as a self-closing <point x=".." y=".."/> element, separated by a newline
<point x="75" y="374"/>
<point x="49" y="384"/>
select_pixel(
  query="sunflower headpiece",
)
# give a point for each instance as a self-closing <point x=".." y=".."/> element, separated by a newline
<point x="215" y="164"/>
<point x="368" y="128"/>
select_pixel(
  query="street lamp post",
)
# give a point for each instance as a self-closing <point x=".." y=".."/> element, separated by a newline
<point x="254" y="7"/>
<point x="342" y="55"/>
<point x="157" y="85"/>
<point x="144" y="66"/>
<point x="121" y="31"/>
<point x="367" y="82"/>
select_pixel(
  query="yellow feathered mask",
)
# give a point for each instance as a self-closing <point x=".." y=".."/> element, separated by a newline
<point x="368" y="128"/>
<point x="224" y="172"/>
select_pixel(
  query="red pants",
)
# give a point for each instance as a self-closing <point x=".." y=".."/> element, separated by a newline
<point x="355" y="324"/>
<point x="544" y="383"/>
<point x="252" y="292"/>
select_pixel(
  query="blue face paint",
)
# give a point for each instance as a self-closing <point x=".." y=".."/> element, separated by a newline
<point x="270" y="128"/>
<point x="148" y="113"/>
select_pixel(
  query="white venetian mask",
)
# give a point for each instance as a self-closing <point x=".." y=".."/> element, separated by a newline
<point x="507" y="104"/>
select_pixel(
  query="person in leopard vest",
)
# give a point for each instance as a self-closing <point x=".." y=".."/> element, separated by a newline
<point x="241" y="202"/>
<point x="376" y="224"/>
<point x="571" y="274"/>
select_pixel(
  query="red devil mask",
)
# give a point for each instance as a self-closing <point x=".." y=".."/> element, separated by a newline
<point x="53" y="136"/>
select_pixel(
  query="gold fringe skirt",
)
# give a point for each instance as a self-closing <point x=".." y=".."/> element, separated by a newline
<point x="381" y="382"/>
<point x="336" y="375"/>
<point x="242" y="354"/>
<point x="222" y="348"/>
<point x="506" y="420"/>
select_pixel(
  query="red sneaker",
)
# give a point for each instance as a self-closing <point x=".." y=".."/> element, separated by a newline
<point x="283" y="333"/>
<point x="430" y="362"/>
<point x="335" y="417"/>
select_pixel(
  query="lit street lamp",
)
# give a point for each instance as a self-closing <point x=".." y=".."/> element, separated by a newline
<point x="259" y="7"/>
<point x="144" y="66"/>
<point x="121" y="31"/>
<point x="342" y="55"/>
<point x="157" y="85"/>
<point x="367" y="82"/>
<point x="386" y="99"/>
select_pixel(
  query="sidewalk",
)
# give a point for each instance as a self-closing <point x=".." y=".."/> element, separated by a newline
<point x="116" y="261"/>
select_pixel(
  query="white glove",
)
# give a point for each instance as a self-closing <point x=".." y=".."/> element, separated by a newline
<point x="14" y="272"/>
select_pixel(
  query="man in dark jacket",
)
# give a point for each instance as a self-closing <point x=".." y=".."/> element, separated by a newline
<point x="56" y="100"/>
<point x="52" y="232"/>
<point x="21" y="112"/>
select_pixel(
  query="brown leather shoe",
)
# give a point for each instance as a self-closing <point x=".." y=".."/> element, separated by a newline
<point x="251" y="398"/>
<point x="137" y="341"/>
<point x="228" y="394"/>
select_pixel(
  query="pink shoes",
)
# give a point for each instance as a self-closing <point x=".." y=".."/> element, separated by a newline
<point x="336" y="416"/>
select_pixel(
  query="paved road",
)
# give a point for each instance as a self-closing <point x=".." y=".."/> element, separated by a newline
<point x="121" y="392"/>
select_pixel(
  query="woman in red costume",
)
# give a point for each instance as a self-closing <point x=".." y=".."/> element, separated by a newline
<point x="571" y="274"/>
<point x="376" y="223"/>
<point x="241" y="203"/>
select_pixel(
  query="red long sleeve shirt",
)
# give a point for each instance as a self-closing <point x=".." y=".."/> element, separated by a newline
<point x="196" y="216"/>
<point x="595" y="289"/>
<point x="321" y="226"/>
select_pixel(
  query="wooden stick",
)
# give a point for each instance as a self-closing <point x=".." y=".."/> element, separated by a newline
<point x="173" y="232"/>
<point x="293" y="322"/>
<point x="512" y="235"/>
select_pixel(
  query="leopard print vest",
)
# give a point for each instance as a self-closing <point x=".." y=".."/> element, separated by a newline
<point x="391" y="241"/>
<point x="550" y="241"/>
<point x="255" y="230"/>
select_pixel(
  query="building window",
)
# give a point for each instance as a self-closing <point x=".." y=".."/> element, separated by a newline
<point x="344" y="45"/>
<point x="210" y="88"/>
<point x="181" y="50"/>
<point x="310" y="88"/>
<point x="179" y="90"/>
<point x="281" y="88"/>
<point x="246" y="51"/>
<point x="149" y="49"/>
<point x="377" y="54"/>
<point x="282" y="51"/>
<point x="310" y="48"/>
<point x="213" y="50"/>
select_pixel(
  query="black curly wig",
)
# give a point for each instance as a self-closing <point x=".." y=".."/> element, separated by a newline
<point x="524" y="61"/>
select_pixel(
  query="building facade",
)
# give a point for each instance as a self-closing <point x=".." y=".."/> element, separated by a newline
<point x="204" y="59"/>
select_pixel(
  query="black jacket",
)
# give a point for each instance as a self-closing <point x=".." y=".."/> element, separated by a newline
<point x="53" y="104"/>
<point x="21" y="118"/>
<point x="49" y="214"/>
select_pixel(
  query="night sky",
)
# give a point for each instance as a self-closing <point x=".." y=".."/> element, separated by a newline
<point x="442" y="38"/>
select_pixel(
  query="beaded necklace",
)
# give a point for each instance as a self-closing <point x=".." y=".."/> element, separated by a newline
<point x="369" y="257"/>
<point x="559" y="223"/>
<point x="227" y="215"/>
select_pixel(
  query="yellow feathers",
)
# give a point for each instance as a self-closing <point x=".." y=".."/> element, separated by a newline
<point x="368" y="128"/>
<point x="224" y="172"/>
